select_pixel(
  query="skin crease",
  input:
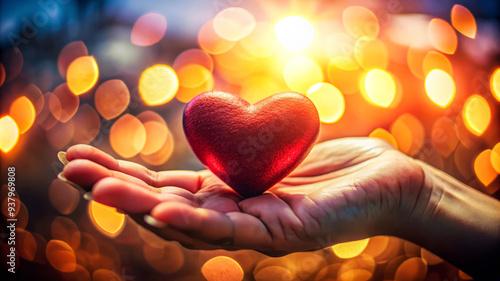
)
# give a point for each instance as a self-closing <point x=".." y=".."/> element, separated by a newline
<point x="346" y="189"/>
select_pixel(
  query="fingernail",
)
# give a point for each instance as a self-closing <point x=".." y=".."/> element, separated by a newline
<point x="88" y="196"/>
<point x="64" y="179"/>
<point x="61" y="155"/>
<point x="154" y="222"/>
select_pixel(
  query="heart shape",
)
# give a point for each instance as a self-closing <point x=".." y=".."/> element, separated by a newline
<point x="251" y="147"/>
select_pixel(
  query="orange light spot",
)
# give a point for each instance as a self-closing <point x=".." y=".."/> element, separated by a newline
<point x="444" y="136"/>
<point x="23" y="113"/>
<point x="63" y="197"/>
<point x="371" y="53"/>
<point x="104" y="274"/>
<point x="359" y="22"/>
<point x="68" y="54"/>
<point x="440" y="87"/>
<point x="158" y="84"/>
<point x="328" y="100"/>
<point x="211" y="42"/>
<point x="429" y="257"/>
<point x="112" y="98"/>
<point x="163" y="154"/>
<point x="463" y="21"/>
<point x="351" y="249"/>
<point x="82" y="75"/>
<point x="294" y="32"/>
<point x="106" y="218"/>
<point x="415" y="58"/>
<point x="442" y="36"/>
<point x="61" y="134"/>
<point x="10" y="133"/>
<point x="63" y="103"/>
<point x="233" y="23"/>
<point x="185" y="95"/>
<point x="88" y="123"/>
<point x="127" y="136"/>
<point x="2" y="74"/>
<point x="476" y="114"/>
<point x="409" y="133"/>
<point x="347" y="81"/>
<point x="355" y="274"/>
<point x="384" y="135"/>
<point x="412" y="269"/>
<point x="27" y="244"/>
<point x="378" y="87"/>
<point x="156" y="131"/>
<point x="222" y="268"/>
<point x="483" y="168"/>
<point x="193" y="56"/>
<point x="45" y="118"/>
<point x="301" y="73"/>
<point x="148" y="29"/>
<point x="61" y="256"/>
<point x="193" y="75"/>
<point x="495" y="157"/>
<point x="434" y="60"/>
<point x="273" y="272"/>
<point x="495" y="83"/>
<point x="165" y="257"/>
<point x="65" y="230"/>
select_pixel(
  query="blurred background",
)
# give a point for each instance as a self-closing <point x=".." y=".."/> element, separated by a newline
<point x="423" y="75"/>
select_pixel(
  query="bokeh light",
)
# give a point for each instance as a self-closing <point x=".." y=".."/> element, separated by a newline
<point x="88" y="123"/>
<point x="10" y="133"/>
<point x="495" y="83"/>
<point x="63" y="104"/>
<point x="82" y="74"/>
<point x="106" y="218"/>
<point x="23" y="113"/>
<point x="483" y="168"/>
<point x="294" y="32"/>
<point x="384" y="135"/>
<point x="328" y="100"/>
<point x="149" y="29"/>
<point x="476" y="114"/>
<point x="193" y="56"/>
<point x="127" y="136"/>
<point x="412" y="269"/>
<point x="165" y="257"/>
<point x="360" y="21"/>
<point x="211" y="42"/>
<point x="442" y="36"/>
<point x="158" y="84"/>
<point x="2" y="74"/>
<point x="61" y="256"/>
<point x="193" y="75"/>
<point x="434" y="60"/>
<point x="351" y="249"/>
<point x="157" y="131"/>
<point x="222" y="268"/>
<point x="233" y="23"/>
<point x="68" y="54"/>
<point x="371" y="53"/>
<point x="301" y="73"/>
<point x="261" y="42"/>
<point x="463" y="21"/>
<point x="112" y="98"/>
<point x="440" y="87"/>
<point x="495" y="157"/>
<point x="378" y="87"/>
<point x="63" y="197"/>
<point x="409" y="133"/>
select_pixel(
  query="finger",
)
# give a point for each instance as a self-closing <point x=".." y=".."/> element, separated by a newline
<point x="189" y="180"/>
<point x="83" y="151"/>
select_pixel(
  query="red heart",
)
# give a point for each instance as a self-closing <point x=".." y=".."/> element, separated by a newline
<point x="251" y="147"/>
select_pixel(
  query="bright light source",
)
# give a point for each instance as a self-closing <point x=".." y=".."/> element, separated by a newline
<point x="294" y="32"/>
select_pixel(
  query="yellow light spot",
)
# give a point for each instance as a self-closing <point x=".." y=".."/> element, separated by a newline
<point x="442" y="36"/>
<point x="233" y="23"/>
<point x="412" y="269"/>
<point x="371" y="53"/>
<point x="211" y="42"/>
<point x="495" y="83"/>
<point x="384" y="135"/>
<point x="483" y="168"/>
<point x="463" y="21"/>
<point x="328" y="100"/>
<point x="359" y="22"/>
<point x="222" y="268"/>
<point x="261" y="42"/>
<point x="68" y="54"/>
<point x="357" y="274"/>
<point x="301" y="73"/>
<point x="351" y="249"/>
<point x="61" y="256"/>
<point x="440" y="87"/>
<point x="258" y="87"/>
<point x="112" y="98"/>
<point x="156" y="131"/>
<point x="294" y="32"/>
<point x="415" y="58"/>
<point x="82" y="75"/>
<point x="127" y="136"/>
<point x="185" y="95"/>
<point x="378" y="87"/>
<point x="434" y="60"/>
<point x="10" y="133"/>
<point x="148" y="29"/>
<point x="23" y="113"/>
<point x="193" y="75"/>
<point x="158" y="84"/>
<point x="476" y="114"/>
<point x="163" y="154"/>
<point x="495" y="157"/>
<point x="193" y="56"/>
<point x="409" y="133"/>
<point x="106" y="218"/>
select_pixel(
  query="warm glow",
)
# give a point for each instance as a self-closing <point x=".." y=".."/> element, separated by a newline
<point x="82" y="75"/>
<point x="442" y="36"/>
<point x="434" y="60"/>
<point x="495" y="83"/>
<point x="351" y="249"/>
<point x="371" y="53"/>
<point x="164" y="257"/>
<point x="440" y="87"/>
<point x="261" y="42"/>
<point x="156" y="131"/>
<point x="359" y="22"/>
<point x="127" y="136"/>
<point x="444" y="136"/>
<point x="258" y="87"/>
<point x="211" y="42"/>
<point x="148" y="29"/>
<point x="106" y="218"/>
<point x="88" y="124"/>
<point x="185" y="95"/>
<point x="476" y="114"/>
<point x="222" y="268"/>
<point x="112" y="98"/>
<point x="484" y="169"/>
<point x="356" y="274"/>
<point x="409" y="133"/>
<point x="294" y="32"/>
<point x="463" y="21"/>
<point x="63" y="104"/>
<point x="328" y="100"/>
<point x="23" y="113"/>
<point x="412" y="269"/>
<point x="385" y="135"/>
<point x="495" y="157"/>
<point x="68" y="54"/>
<point x="193" y="75"/>
<point x="415" y="59"/>
<point x="193" y="56"/>
<point x="301" y="73"/>
<point x="10" y="133"/>
<point x="2" y="74"/>
<point x="163" y="154"/>
<point x="61" y="256"/>
<point x="378" y="87"/>
<point x="429" y="257"/>
<point x="233" y="23"/>
<point x="158" y="84"/>
<point x="63" y="197"/>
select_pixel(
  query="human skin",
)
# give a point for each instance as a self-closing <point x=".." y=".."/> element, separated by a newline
<point x="346" y="189"/>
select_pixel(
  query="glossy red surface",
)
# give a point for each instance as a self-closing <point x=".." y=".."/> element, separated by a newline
<point x="251" y="147"/>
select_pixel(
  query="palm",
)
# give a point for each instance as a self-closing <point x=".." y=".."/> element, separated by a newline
<point x="345" y="189"/>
